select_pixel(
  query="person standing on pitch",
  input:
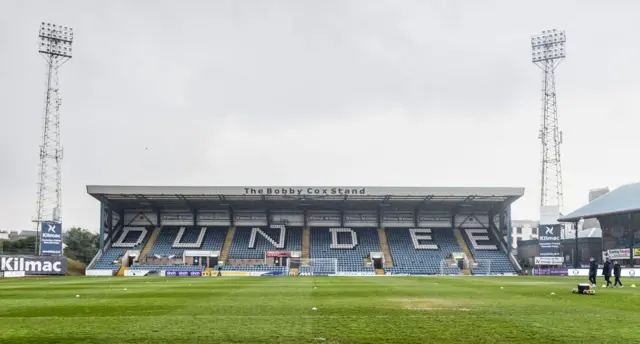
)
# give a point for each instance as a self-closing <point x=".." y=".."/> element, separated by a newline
<point x="616" y="273"/>
<point x="606" y="272"/>
<point x="593" y="271"/>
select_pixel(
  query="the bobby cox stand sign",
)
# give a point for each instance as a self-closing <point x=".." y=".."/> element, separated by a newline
<point x="49" y="265"/>
<point x="50" y="238"/>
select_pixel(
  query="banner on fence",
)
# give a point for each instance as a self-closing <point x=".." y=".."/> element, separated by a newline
<point x="550" y="272"/>
<point x="621" y="253"/>
<point x="625" y="272"/>
<point x="176" y="273"/>
<point x="548" y="260"/>
<point x="98" y="272"/>
<point x="266" y="273"/>
<point x="13" y="274"/>
<point x="354" y="273"/>
<point x="41" y="265"/>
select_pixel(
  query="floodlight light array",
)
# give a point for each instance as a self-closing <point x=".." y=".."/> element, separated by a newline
<point x="549" y="45"/>
<point x="56" y="40"/>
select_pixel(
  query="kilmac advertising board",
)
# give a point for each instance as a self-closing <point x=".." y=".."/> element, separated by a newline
<point x="43" y="265"/>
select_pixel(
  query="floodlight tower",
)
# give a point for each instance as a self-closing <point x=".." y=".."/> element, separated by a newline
<point x="56" y="47"/>
<point x="548" y="50"/>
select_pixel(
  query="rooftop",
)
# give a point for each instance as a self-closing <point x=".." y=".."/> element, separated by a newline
<point x="625" y="199"/>
<point x="294" y="197"/>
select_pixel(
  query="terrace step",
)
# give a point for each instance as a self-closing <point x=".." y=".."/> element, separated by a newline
<point x="463" y="246"/>
<point x="384" y="245"/>
<point x="155" y="232"/>
<point x="122" y="270"/>
<point x="306" y="242"/>
<point x="224" y="255"/>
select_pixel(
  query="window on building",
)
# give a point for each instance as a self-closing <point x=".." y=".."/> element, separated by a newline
<point x="519" y="230"/>
<point x="534" y="231"/>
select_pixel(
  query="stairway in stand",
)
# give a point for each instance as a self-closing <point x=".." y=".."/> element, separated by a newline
<point x="384" y="245"/>
<point x="306" y="242"/>
<point x="122" y="270"/>
<point x="465" y="249"/>
<point x="224" y="255"/>
<point x="155" y="232"/>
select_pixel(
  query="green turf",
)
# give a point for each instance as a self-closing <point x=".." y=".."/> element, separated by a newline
<point x="278" y="310"/>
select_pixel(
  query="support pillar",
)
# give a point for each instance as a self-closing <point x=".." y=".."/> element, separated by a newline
<point x="576" y="258"/>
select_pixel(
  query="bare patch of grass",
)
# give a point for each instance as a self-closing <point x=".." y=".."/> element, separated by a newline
<point x="429" y="304"/>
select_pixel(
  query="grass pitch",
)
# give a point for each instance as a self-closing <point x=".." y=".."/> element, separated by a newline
<point x="349" y="310"/>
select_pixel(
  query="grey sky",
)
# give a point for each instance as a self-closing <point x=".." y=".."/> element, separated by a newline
<point x="406" y="93"/>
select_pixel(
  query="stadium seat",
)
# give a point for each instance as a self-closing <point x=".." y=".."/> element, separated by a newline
<point x="407" y="259"/>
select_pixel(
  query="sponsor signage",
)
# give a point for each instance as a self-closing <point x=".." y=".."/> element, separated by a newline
<point x="99" y="272"/>
<point x="171" y="273"/>
<point x="550" y="272"/>
<point x="623" y="273"/>
<point x="177" y="217"/>
<point x="548" y="260"/>
<point x="266" y="273"/>
<point x="258" y="217"/>
<point x="323" y="218"/>
<point x="213" y="217"/>
<point x="361" y="218"/>
<point x="354" y="273"/>
<point x="50" y="238"/>
<point x="278" y="254"/>
<point x="305" y="191"/>
<point x="49" y="265"/>
<point x="549" y="240"/>
<point x="433" y="218"/>
<point x="399" y="218"/>
<point x="621" y="253"/>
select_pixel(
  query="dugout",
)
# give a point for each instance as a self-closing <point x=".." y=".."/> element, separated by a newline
<point x="618" y="213"/>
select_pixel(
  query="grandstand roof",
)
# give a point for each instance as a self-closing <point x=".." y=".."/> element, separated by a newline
<point x="625" y="199"/>
<point x="288" y="197"/>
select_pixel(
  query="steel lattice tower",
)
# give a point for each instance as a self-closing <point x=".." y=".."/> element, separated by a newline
<point x="548" y="51"/>
<point x="56" y="48"/>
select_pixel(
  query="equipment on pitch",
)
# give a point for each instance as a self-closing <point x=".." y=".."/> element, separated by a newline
<point x="584" y="288"/>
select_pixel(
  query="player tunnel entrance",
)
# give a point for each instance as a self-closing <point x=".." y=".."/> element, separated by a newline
<point x="377" y="260"/>
<point x="277" y="258"/>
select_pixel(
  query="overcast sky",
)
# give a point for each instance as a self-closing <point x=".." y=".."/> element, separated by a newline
<point x="371" y="92"/>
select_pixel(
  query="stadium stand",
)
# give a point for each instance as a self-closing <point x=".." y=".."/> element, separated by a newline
<point x="411" y="256"/>
<point x="246" y="247"/>
<point x="130" y="238"/>
<point x="350" y="258"/>
<point x="484" y="247"/>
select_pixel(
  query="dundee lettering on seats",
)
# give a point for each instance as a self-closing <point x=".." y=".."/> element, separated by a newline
<point x="417" y="234"/>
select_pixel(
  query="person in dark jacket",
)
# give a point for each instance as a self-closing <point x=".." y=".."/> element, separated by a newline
<point x="593" y="271"/>
<point x="616" y="273"/>
<point x="606" y="272"/>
